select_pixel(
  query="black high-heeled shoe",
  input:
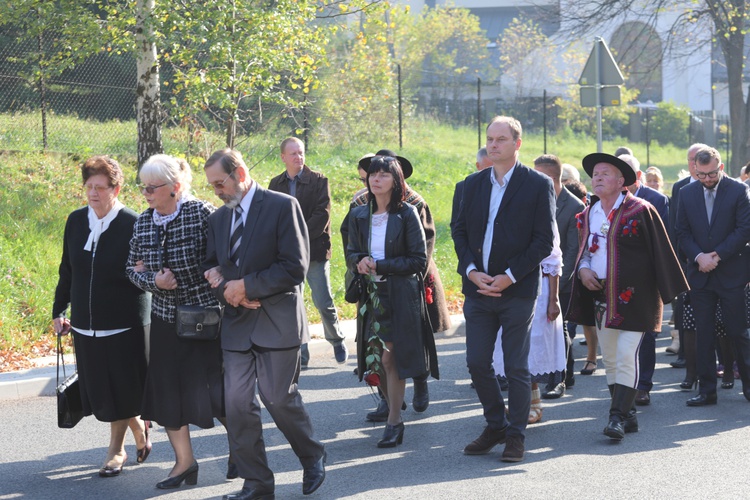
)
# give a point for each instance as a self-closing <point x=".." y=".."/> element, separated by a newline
<point x="688" y="384"/>
<point x="727" y="385"/>
<point x="143" y="453"/>
<point x="190" y="476"/>
<point x="392" y="435"/>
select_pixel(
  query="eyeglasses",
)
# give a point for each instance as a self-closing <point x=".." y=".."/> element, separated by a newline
<point x="150" y="189"/>
<point x="220" y="185"/>
<point x="98" y="189"/>
<point x="711" y="175"/>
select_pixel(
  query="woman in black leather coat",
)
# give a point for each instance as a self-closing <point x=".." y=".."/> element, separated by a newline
<point x="387" y="243"/>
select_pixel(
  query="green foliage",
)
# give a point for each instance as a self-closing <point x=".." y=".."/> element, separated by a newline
<point x="669" y="124"/>
<point x="524" y="51"/>
<point x="444" y="46"/>
<point x="66" y="32"/>
<point x="37" y="192"/>
<point x="228" y="57"/>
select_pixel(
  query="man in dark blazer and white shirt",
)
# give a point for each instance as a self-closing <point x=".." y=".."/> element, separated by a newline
<point x="713" y="228"/>
<point x="502" y="233"/>
<point x="264" y="320"/>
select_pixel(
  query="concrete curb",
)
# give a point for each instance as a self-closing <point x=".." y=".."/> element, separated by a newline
<point x="35" y="382"/>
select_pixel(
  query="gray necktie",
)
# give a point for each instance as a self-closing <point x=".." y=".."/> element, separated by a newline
<point x="236" y="237"/>
<point x="710" y="193"/>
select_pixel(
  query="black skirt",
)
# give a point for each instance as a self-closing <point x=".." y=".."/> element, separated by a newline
<point x="185" y="382"/>
<point x="111" y="373"/>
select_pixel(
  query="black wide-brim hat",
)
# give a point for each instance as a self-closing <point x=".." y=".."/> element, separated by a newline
<point x="590" y="161"/>
<point x="364" y="162"/>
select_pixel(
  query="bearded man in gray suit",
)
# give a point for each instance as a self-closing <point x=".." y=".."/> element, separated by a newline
<point x="258" y="253"/>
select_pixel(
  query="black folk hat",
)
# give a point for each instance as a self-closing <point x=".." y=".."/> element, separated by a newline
<point x="590" y="161"/>
<point x="364" y="162"/>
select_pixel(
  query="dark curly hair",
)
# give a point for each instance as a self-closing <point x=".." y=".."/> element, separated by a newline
<point x="390" y="165"/>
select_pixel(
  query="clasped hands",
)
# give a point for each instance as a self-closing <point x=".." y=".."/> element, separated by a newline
<point x="234" y="290"/>
<point x="707" y="262"/>
<point x="491" y="286"/>
<point x="367" y="266"/>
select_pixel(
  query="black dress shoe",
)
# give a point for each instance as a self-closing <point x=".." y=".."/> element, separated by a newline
<point x="570" y="382"/>
<point x="248" y="493"/>
<point x="643" y="398"/>
<point x="392" y="435"/>
<point x="313" y="476"/>
<point x="190" y="476"/>
<point x="702" y="400"/>
<point x="232" y="472"/>
<point x="556" y="392"/>
<point x="421" y="399"/>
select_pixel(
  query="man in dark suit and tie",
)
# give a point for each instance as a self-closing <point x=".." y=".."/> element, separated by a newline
<point x="686" y="353"/>
<point x="258" y="253"/>
<point x="713" y="228"/>
<point x="647" y="351"/>
<point x="502" y="233"/>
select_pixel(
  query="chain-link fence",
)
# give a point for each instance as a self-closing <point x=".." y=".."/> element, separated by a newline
<point x="91" y="109"/>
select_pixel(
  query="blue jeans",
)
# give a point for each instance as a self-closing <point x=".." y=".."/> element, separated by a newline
<point x="319" y="281"/>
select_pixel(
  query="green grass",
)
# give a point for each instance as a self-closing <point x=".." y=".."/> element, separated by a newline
<point x="38" y="191"/>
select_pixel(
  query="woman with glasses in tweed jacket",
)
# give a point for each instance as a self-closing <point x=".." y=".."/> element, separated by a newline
<point x="184" y="382"/>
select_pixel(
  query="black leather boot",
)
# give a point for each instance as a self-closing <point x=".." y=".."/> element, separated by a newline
<point x="421" y="399"/>
<point x="623" y="401"/>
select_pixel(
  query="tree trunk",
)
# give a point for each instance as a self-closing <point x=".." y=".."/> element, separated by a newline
<point x="148" y="99"/>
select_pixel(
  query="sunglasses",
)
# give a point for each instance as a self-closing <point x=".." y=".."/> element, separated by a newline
<point x="150" y="189"/>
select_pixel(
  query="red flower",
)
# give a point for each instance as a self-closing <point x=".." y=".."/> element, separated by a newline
<point x="626" y="295"/>
<point x="635" y="223"/>
<point x="428" y="295"/>
<point x="372" y="379"/>
<point x="625" y="230"/>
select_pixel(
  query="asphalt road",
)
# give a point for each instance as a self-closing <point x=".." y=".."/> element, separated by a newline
<point x="680" y="452"/>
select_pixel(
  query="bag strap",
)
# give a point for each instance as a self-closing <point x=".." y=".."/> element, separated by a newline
<point x="60" y="356"/>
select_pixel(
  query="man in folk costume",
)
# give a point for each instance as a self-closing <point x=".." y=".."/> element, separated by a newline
<point x="626" y="271"/>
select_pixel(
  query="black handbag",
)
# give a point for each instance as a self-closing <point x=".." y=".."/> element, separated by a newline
<point x="198" y="322"/>
<point x="355" y="287"/>
<point x="69" y="404"/>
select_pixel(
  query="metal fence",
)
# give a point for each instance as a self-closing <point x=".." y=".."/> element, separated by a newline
<point x="91" y="109"/>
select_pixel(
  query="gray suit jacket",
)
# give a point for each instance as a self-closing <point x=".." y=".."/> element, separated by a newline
<point x="274" y="257"/>
<point x="566" y="209"/>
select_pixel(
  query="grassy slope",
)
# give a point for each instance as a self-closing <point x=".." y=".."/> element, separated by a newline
<point x="37" y="192"/>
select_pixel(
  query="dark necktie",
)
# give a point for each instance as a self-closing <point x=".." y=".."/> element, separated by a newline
<point x="236" y="238"/>
<point x="710" y="193"/>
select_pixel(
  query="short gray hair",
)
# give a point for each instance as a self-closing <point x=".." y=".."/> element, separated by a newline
<point x="165" y="168"/>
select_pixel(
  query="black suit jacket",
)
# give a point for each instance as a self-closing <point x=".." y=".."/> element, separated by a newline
<point x="658" y="200"/>
<point x="675" y="202"/>
<point x="728" y="234"/>
<point x="522" y="235"/>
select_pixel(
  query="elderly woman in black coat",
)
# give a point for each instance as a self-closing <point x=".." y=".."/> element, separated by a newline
<point x="387" y="244"/>
<point x="107" y="313"/>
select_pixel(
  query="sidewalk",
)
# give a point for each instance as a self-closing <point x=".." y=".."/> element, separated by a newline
<point x="41" y="381"/>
